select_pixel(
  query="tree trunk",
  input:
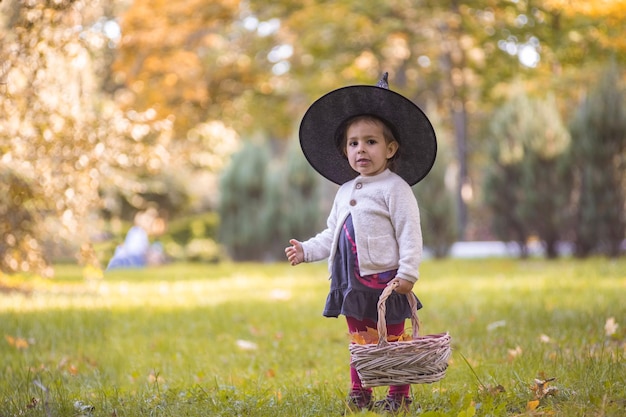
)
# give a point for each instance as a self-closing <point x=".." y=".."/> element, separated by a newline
<point x="459" y="117"/>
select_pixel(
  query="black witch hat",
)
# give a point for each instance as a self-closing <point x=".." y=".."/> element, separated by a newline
<point x="321" y="129"/>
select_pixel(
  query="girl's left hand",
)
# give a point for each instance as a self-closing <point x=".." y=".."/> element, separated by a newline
<point x="404" y="286"/>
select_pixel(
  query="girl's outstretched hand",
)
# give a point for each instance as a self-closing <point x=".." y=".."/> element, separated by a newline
<point x="295" y="253"/>
<point x="403" y="286"/>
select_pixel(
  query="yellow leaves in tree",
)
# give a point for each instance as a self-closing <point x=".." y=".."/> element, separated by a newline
<point x="591" y="8"/>
<point x="370" y="336"/>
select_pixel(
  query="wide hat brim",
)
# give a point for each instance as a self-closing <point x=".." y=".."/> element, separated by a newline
<point x="320" y="126"/>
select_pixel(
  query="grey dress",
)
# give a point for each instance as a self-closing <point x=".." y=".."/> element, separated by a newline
<point x="357" y="296"/>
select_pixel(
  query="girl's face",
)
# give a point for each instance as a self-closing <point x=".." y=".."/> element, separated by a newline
<point x="366" y="147"/>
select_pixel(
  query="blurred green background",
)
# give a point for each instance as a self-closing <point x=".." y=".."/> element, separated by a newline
<point x="108" y="108"/>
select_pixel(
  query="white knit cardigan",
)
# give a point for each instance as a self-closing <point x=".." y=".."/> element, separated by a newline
<point x="386" y="223"/>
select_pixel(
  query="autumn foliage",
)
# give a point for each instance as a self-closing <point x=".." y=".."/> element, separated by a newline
<point x="106" y="104"/>
<point x="370" y="336"/>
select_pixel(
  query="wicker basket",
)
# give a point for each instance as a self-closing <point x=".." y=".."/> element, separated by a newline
<point x="422" y="360"/>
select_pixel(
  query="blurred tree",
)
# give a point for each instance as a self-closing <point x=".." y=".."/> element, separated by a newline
<point x="275" y="208"/>
<point x="59" y="135"/>
<point x="528" y="185"/>
<point x="599" y="160"/>
<point x="301" y="208"/>
<point x="501" y="193"/>
<point x="437" y="206"/>
<point x="546" y="175"/>
<point x="200" y="60"/>
<point x="186" y="181"/>
<point x="243" y="190"/>
<point x="49" y="135"/>
<point x="264" y="204"/>
<point x="69" y="141"/>
<point x="20" y="249"/>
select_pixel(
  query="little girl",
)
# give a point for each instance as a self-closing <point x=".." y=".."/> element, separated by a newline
<point x="376" y="144"/>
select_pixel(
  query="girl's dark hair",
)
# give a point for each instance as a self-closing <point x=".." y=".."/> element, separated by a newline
<point x="388" y="134"/>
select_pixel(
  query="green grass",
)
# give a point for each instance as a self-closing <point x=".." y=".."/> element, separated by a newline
<point x="249" y="340"/>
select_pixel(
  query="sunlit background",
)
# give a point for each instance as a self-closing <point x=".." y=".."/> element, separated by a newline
<point x="191" y="107"/>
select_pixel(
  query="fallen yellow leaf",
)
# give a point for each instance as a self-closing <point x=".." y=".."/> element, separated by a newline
<point x="17" y="342"/>
<point x="532" y="405"/>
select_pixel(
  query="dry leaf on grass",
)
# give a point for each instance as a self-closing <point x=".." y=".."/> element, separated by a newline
<point x="514" y="353"/>
<point x="17" y="342"/>
<point x="541" y="388"/>
<point x="532" y="405"/>
<point x="610" y="326"/>
<point x="491" y="389"/>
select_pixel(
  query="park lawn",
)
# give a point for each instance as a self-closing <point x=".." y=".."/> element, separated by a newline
<point x="249" y="340"/>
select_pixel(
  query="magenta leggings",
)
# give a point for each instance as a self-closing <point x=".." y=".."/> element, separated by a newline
<point x="354" y="325"/>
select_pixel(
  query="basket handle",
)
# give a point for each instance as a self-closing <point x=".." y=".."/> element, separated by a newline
<point x="382" y="312"/>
